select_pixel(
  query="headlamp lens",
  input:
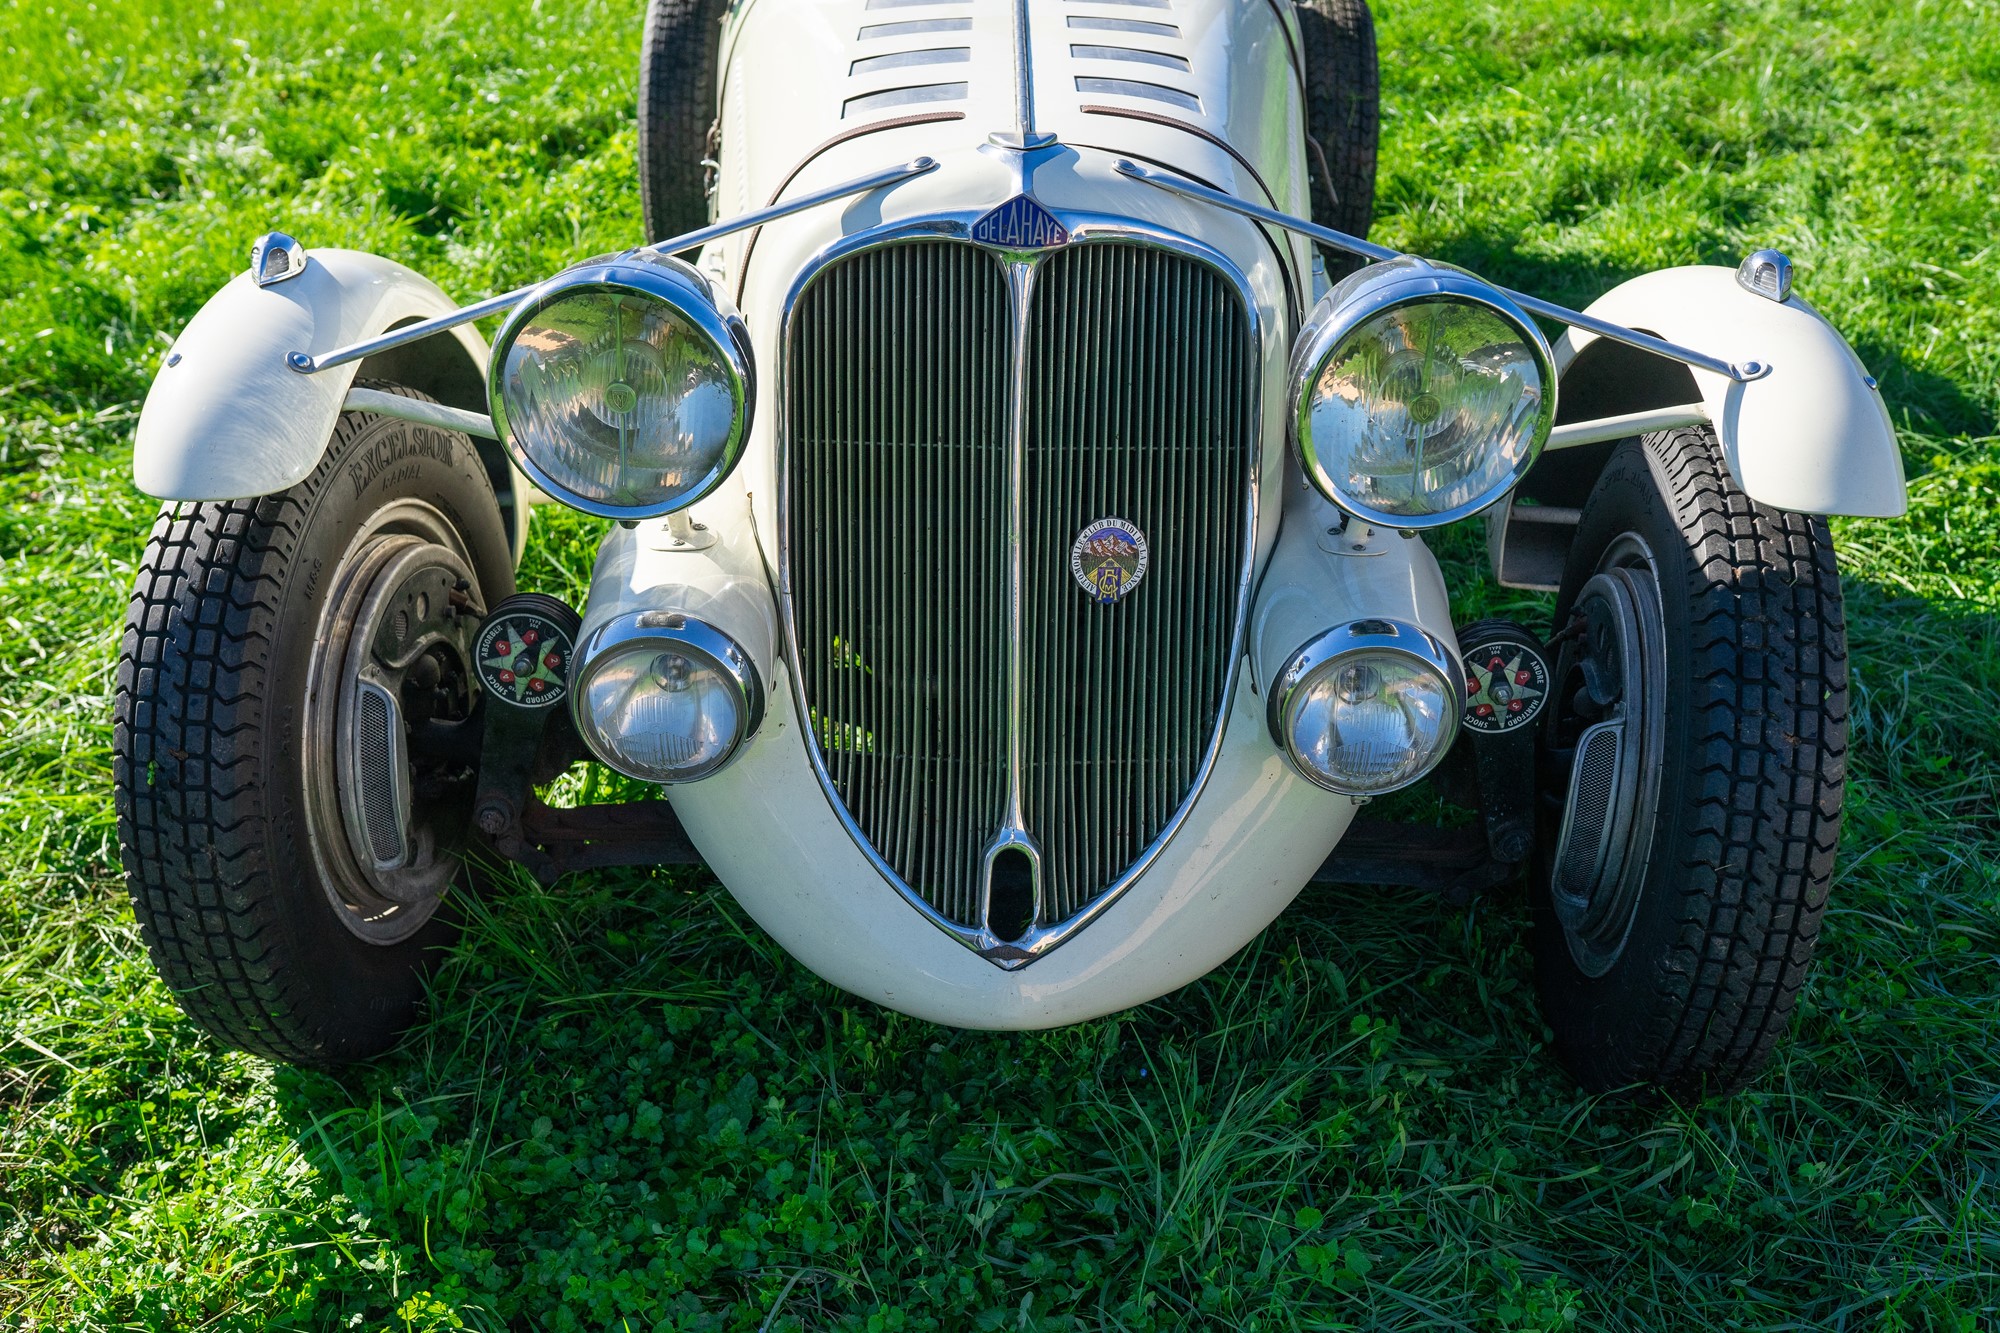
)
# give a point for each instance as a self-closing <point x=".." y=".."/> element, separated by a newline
<point x="625" y="394"/>
<point x="1425" y="408"/>
<point x="1421" y="394"/>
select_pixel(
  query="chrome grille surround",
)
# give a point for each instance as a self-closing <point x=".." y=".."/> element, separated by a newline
<point x="1021" y="268"/>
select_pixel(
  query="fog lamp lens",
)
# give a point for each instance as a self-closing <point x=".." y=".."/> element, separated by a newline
<point x="664" y="697"/>
<point x="1368" y="707"/>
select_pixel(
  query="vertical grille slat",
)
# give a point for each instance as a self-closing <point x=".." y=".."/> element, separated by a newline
<point x="1138" y="403"/>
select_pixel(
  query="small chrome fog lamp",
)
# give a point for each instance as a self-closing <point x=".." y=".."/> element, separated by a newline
<point x="1421" y="394"/>
<point x="1367" y="707"/>
<point x="663" y="697"/>
<point x="623" y="386"/>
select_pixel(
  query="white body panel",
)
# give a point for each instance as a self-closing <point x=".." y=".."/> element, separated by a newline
<point x="1254" y="837"/>
<point x="792" y="70"/>
<point x="806" y="79"/>
<point x="1813" y="434"/>
<point x="229" y="418"/>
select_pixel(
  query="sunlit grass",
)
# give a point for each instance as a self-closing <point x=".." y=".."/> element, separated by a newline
<point x="629" y="1109"/>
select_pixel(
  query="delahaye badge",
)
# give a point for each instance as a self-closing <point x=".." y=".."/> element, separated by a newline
<point x="1108" y="559"/>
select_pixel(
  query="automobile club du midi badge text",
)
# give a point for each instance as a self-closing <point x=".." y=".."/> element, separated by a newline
<point x="1109" y="558"/>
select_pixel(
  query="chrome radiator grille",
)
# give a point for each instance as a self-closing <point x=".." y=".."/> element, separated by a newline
<point x="904" y="449"/>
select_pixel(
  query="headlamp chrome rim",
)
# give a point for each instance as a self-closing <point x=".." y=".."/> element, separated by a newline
<point x="1377" y="289"/>
<point x="661" y="631"/>
<point x="1367" y="635"/>
<point x="663" y="278"/>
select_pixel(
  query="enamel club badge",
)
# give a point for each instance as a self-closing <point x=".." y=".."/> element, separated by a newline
<point x="524" y="659"/>
<point x="1108" y="559"/>
<point x="1506" y="683"/>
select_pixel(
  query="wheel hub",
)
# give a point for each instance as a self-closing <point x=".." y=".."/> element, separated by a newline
<point x="392" y="682"/>
<point x="1612" y="678"/>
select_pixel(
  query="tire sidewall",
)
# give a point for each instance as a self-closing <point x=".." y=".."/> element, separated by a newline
<point x="1615" y="1028"/>
<point x="364" y="994"/>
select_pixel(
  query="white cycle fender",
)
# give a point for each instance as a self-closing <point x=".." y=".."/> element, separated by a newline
<point x="227" y="419"/>
<point x="1812" y="435"/>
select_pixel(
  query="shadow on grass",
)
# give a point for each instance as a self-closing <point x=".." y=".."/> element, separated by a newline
<point x="1919" y="398"/>
<point x="631" y="1109"/>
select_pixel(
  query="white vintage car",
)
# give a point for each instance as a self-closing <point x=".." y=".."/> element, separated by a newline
<point x="1019" y="468"/>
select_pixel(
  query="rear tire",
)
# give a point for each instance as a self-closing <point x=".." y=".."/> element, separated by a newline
<point x="1343" y="119"/>
<point x="678" y="128"/>
<point x="1689" y="984"/>
<point x="221" y="785"/>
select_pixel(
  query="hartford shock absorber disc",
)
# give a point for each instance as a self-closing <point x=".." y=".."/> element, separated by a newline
<point x="524" y="649"/>
<point x="1506" y="677"/>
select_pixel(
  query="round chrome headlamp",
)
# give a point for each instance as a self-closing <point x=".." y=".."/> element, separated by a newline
<point x="1421" y="394"/>
<point x="623" y="386"/>
<point x="1367" y="707"/>
<point x="663" y="697"/>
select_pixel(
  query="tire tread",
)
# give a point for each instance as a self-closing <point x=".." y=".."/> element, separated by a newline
<point x="1756" y="826"/>
<point x="678" y="124"/>
<point x="189" y="817"/>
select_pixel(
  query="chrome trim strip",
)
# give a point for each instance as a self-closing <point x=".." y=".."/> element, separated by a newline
<point x="1152" y="92"/>
<point x="1131" y="55"/>
<point x="1024" y="75"/>
<point x="1104" y="23"/>
<point x="306" y="363"/>
<point x="742" y="262"/>
<point x="910" y="27"/>
<point x="910" y="96"/>
<point x="1084" y="229"/>
<point x="1014" y="833"/>
<point x="1024" y="135"/>
<point x="420" y="412"/>
<point x="1740" y="372"/>
<point x="1298" y="293"/>
<point x="932" y="55"/>
<point x="1617" y="428"/>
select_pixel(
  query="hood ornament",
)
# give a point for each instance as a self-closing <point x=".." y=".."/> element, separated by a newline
<point x="1020" y="224"/>
<point x="1108" y="558"/>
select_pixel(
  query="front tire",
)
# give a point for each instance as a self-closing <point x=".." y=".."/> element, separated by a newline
<point x="264" y="912"/>
<point x="1701" y="635"/>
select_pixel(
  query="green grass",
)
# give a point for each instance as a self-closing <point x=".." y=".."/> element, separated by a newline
<point x="630" y="1111"/>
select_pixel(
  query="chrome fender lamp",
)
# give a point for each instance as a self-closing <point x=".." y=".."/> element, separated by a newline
<point x="1368" y="707"/>
<point x="624" y="386"/>
<point x="663" y="697"/>
<point x="1421" y="395"/>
